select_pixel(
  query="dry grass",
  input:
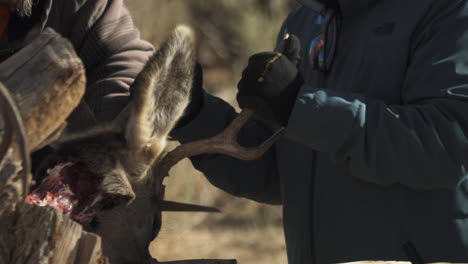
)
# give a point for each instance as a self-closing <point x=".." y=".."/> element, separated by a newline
<point x="247" y="246"/>
<point x="228" y="32"/>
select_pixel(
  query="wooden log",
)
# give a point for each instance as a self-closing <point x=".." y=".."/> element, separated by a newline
<point x="10" y="184"/>
<point x="66" y="242"/>
<point x="35" y="231"/>
<point x="8" y="196"/>
<point x="47" y="81"/>
<point x="42" y="235"/>
<point x="14" y="129"/>
<point x="89" y="250"/>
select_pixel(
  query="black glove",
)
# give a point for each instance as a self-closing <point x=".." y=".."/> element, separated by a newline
<point x="196" y="98"/>
<point x="270" y="82"/>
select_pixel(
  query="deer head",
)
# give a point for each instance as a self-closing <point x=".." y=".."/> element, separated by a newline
<point x="103" y="177"/>
<point x="110" y="178"/>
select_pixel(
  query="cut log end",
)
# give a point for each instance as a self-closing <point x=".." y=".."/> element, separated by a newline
<point x="47" y="80"/>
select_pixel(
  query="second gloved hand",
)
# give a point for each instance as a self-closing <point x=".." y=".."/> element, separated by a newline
<point x="271" y="80"/>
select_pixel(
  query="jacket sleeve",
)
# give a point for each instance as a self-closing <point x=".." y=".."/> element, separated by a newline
<point x="421" y="143"/>
<point x="257" y="180"/>
<point x="110" y="47"/>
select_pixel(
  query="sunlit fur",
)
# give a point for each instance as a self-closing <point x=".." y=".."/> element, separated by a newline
<point x="159" y="96"/>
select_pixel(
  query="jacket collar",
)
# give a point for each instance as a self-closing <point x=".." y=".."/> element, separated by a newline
<point x="348" y="8"/>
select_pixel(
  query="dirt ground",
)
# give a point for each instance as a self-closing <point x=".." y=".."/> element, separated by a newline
<point x="245" y="230"/>
<point x="250" y="245"/>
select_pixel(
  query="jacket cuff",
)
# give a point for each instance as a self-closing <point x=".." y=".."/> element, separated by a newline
<point x="210" y="121"/>
<point x="323" y="119"/>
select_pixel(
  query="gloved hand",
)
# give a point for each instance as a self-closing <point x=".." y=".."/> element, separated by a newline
<point x="196" y="98"/>
<point x="271" y="80"/>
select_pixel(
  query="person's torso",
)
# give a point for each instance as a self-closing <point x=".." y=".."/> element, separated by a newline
<point x="347" y="219"/>
<point x="68" y="18"/>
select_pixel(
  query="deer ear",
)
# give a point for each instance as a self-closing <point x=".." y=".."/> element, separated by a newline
<point x="161" y="92"/>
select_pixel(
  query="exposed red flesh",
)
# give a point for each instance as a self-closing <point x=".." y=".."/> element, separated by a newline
<point x="70" y="188"/>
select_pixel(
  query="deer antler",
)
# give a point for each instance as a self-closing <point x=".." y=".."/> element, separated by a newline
<point x="13" y="122"/>
<point x="169" y="206"/>
<point x="223" y="143"/>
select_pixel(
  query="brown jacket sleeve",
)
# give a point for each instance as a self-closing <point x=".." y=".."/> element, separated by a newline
<point x="109" y="44"/>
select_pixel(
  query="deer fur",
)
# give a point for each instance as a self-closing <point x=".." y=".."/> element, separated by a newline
<point x="125" y="152"/>
<point x="160" y="95"/>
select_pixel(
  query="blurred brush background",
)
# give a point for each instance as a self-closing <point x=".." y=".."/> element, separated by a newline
<point x="228" y="32"/>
